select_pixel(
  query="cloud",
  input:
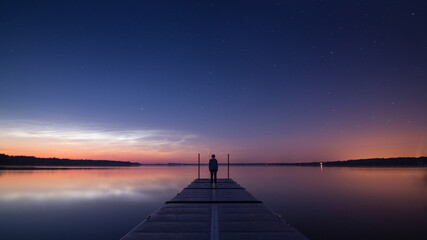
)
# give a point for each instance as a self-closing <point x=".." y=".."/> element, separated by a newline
<point x="93" y="140"/>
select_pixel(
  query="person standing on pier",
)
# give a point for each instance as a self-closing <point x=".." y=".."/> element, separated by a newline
<point x="213" y="167"/>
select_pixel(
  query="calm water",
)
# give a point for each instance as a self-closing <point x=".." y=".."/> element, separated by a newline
<point x="328" y="203"/>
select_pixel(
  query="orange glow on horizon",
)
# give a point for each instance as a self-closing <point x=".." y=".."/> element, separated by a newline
<point x="157" y="146"/>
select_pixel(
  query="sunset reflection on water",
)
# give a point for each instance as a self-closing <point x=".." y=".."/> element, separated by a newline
<point x="106" y="203"/>
<point x="134" y="184"/>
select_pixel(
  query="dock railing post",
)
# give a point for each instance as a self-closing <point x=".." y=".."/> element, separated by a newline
<point x="198" y="168"/>
<point x="228" y="166"/>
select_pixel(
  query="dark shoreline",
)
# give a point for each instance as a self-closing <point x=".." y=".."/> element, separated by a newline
<point x="6" y="160"/>
<point x="372" y="162"/>
<point x="33" y="163"/>
<point x="24" y="168"/>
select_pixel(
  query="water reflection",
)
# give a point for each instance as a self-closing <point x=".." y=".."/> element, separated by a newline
<point x="333" y="203"/>
<point x="136" y="184"/>
<point x="345" y="203"/>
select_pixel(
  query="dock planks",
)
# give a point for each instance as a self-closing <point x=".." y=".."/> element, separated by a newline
<point x="220" y="211"/>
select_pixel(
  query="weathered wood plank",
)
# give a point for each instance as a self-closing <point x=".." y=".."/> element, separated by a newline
<point x="261" y="236"/>
<point x="174" y="227"/>
<point x="183" y="217"/>
<point x="213" y="211"/>
<point x="167" y="236"/>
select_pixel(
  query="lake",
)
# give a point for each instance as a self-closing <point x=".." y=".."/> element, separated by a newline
<point x="322" y="203"/>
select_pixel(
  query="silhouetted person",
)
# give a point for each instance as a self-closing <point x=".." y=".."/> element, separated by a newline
<point x="213" y="167"/>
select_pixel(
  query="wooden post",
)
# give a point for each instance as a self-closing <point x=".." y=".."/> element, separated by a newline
<point x="228" y="166"/>
<point x="198" y="169"/>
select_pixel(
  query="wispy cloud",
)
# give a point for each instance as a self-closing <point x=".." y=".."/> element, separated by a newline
<point x="96" y="140"/>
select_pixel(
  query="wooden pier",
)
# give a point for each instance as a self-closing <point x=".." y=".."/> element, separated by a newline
<point x="220" y="211"/>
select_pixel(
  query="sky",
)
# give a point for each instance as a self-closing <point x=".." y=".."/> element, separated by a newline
<point x="265" y="81"/>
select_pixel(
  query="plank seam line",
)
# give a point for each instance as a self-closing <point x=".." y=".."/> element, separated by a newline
<point x="213" y="188"/>
<point x="214" y="218"/>
<point x="212" y="202"/>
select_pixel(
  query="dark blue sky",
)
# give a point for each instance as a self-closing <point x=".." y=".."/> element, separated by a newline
<point x="164" y="80"/>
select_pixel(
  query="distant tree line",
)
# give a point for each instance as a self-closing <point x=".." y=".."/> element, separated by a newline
<point x="7" y="160"/>
<point x="402" y="161"/>
<point x="371" y="162"/>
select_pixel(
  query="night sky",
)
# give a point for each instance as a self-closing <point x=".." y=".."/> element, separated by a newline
<point x="266" y="81"/>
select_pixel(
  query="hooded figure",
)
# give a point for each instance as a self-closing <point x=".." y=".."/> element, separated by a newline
<point x="213" y="167"/>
